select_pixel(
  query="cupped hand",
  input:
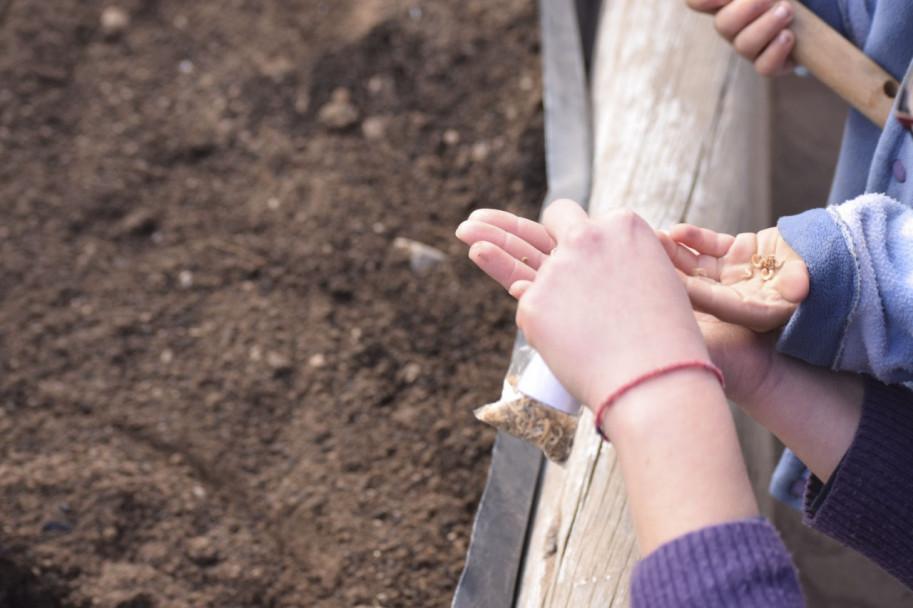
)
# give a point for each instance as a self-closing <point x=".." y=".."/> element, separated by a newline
<point x="754" y="280"/>
<point x="757" y="30"/>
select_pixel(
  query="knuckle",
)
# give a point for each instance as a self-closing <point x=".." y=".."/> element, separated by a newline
<point x="766" y="69"/>
<point x="722" y="28"/>
<point x="528" y="315"/>
<point x="623" y="215"/>
<point x="743" y="47"/>
<point x="706" y="6"/>
<point x="718" y="26"/>
<point x="626" y="221"/>
<point x="584" y="236"/>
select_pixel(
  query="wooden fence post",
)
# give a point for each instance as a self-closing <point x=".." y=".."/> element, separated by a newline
<point x="680" y="134"/>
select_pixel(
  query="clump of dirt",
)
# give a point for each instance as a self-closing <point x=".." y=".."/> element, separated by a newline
<point x="221" y="382"/>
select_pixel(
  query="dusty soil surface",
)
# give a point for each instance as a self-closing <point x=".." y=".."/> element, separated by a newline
<point x="222" y="382"/>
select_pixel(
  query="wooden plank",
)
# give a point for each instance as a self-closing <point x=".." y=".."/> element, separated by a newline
<point x="680" y="134"/>
<point x="844" y="68"/>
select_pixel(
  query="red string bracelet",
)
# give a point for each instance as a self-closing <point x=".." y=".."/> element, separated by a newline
<point x="698" y="364"/>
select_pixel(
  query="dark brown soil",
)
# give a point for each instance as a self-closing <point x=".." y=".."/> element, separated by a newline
<point x="221" y="381"/>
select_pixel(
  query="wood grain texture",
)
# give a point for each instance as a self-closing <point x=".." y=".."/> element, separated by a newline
<point x="680" y="134"/>
<point x="837" y="63"/>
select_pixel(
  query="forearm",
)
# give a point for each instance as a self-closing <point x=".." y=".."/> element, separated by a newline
<point x="679" y="456"/>
<point x="812" y="410"/>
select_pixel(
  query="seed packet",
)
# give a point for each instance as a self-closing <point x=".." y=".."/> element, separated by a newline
<point x="550" y="430"/>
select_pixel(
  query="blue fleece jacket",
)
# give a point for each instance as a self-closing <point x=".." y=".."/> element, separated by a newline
<point x="858" y="315"/>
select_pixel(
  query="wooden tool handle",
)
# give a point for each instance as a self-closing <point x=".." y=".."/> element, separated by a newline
<point x="840" y="65"/>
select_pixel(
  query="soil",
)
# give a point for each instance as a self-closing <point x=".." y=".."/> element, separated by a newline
<point x="229" y="374"/>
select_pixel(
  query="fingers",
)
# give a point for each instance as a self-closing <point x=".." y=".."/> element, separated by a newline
<point x="702" y="240"/>
<point x="500" y="265"/>
<point x="756" y="21"/>
<point x="506" y="247"/>
<point x="519" y="288"/>
<point x="700" y="266"/>
<point x="532" y="232"/>
<point x="757" y="31"/>
<point x="727" y="304"/>
<point x="561" y="216"/>
<point x="684" y="259"/>
<point x="775" y="59"/>
<point x="473" y="231"/>
<point x="705" y="6"/>
<point x="697" y="251"/>
<point x="511" y="249"/>
<point x="754" y="310"/>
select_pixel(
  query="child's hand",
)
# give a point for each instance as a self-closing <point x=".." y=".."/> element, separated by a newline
<point x="754" y="280"/>
<point x="756" y="29"/>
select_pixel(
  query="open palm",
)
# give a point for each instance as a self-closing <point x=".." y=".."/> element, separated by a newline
<point x="754" y="280"/>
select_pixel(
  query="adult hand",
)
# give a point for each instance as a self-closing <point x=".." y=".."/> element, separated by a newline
<point x="605" y="307"/>
<point x="754" y="280"/>
<point x="757" y="30"/>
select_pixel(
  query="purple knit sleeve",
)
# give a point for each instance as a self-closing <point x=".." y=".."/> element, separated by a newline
<point x="741" y="563"/>
<point x="868" y="503"/>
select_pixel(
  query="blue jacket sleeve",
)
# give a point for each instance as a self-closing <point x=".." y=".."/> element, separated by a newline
<point x="857" y="316"/>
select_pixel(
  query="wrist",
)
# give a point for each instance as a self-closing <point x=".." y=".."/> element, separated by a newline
<point x="655" y="400"/>
<point x="608" y="373"/>
<point x="680" y="457"/>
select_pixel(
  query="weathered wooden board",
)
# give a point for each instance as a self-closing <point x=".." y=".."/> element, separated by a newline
<point x="680" y="134"/>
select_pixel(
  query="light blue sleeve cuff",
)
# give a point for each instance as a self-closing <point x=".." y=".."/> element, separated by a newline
<point x="816" y="330"/>
<point x="787" y="484"/>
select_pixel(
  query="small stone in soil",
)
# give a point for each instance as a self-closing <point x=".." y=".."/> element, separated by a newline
<point x="339" y="113"/>
<point x="114" y="22"/>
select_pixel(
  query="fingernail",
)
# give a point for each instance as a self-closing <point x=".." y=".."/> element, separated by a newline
<point x="784" y="37"/>
<point x="783" y="11"/>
